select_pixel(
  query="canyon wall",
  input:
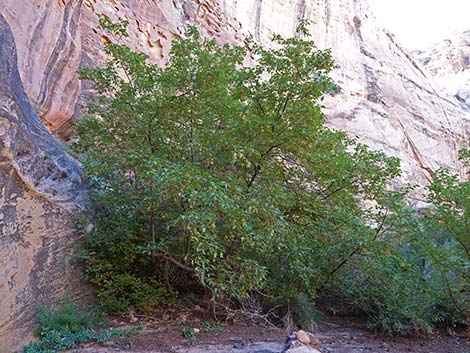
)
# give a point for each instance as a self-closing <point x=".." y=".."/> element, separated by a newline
<point x="387" y="101"/>
<point x="448" y="62"/>
<point x="39" y="187"/>
<point x="47" y="35"/>
<point x="56" y="37"/>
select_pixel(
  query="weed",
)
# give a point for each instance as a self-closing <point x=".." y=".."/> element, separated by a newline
<point x="69" y="327"/>
<point x="189" y="334"/>
<point x="68" y="318"/>
<point x="210" y="327"/>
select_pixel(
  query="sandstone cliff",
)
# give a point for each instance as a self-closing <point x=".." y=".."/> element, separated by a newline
<point x="47" y="36"/>
<point x="39" y="186"/>
<point x="55" y="37"/>
<point x="448" y="62"/>
<point x="387" y="101"/>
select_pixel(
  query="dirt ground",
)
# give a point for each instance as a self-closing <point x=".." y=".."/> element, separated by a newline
<point x="337" y="335"/>
<point x="351" y="335"/>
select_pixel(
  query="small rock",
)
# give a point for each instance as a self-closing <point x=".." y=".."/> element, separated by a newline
<point x="304" y="342"/>
<point x="239" y="343"/>
<point x="294" y="344"/>
<point x="290" y="339"/>
<point x="303" y="349"/>
<point x="303" y="337"/>
<point x="196" y="330"/>
<point x="314" y="341"/>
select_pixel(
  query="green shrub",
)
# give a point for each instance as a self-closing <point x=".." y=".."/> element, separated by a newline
<point x="68" y="327"/>
<point x="210" y="170"/>
<point x="416" y="274"/>
<point x="227" y="174"/>
<point x="189" y="334"/>
<point x="447" y="241"/>
<point x="210" y="327"/>
<point x="68" y="318"/>
<point x="53" y="341"/>
<point x="124" y="291"/>
<point x="395" y="292"/>
<point x="304" y="313"/>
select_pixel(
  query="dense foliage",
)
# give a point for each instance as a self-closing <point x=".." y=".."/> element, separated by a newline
<point x="212" y="171"/>
<point x="421" y="275"/>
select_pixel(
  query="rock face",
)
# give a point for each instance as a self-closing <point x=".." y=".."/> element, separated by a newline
<point x="449" y="63"/>
<point x="47" y="36"/>
<point x="55" y="37"/>
<point x="387" y="101"/>
<point x="39" y="185"/>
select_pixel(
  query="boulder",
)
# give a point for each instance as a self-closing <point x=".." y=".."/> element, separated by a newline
<point x="302" y="342"/>
<point x="302" y="337"/>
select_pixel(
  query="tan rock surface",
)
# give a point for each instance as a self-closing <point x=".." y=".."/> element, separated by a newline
<point x="388" y="101"/>
<point x="47" y="36"/>
<point x="55" y="37"/>
<point x="303" y="337"/>
<point x="448" y="62"/>
<point x="39" y="186"/>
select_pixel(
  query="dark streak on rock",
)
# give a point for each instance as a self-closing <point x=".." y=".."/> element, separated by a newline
<point x="403" y="51"/>
<point x="373" y="91"/>
<point x="300" y="10"/>
<point x="327" y="15"/>
<point x="258" y="9"/>
<point x="63" y="50"/>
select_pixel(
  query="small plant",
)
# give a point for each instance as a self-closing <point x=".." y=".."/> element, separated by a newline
<point x="69" y="327"/>
<point x="119" y="292"/>
<point x="189" y="334"/>
<point x="68" y="318"/>
<point x="210" y="327"/>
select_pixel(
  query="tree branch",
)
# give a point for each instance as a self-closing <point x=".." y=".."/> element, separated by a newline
<point x="175" y="262"/>
<point x="357" y="250"/>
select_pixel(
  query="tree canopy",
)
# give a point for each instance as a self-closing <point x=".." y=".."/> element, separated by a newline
<point x="213" y="171"/>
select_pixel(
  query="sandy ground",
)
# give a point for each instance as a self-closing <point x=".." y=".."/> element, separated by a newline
<point x="345" y="335"/>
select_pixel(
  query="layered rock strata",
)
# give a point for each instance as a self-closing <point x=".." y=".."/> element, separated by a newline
<point x="388" y="101"/>
<point x="39" y="186"/>
<point x="47" y="35"/>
